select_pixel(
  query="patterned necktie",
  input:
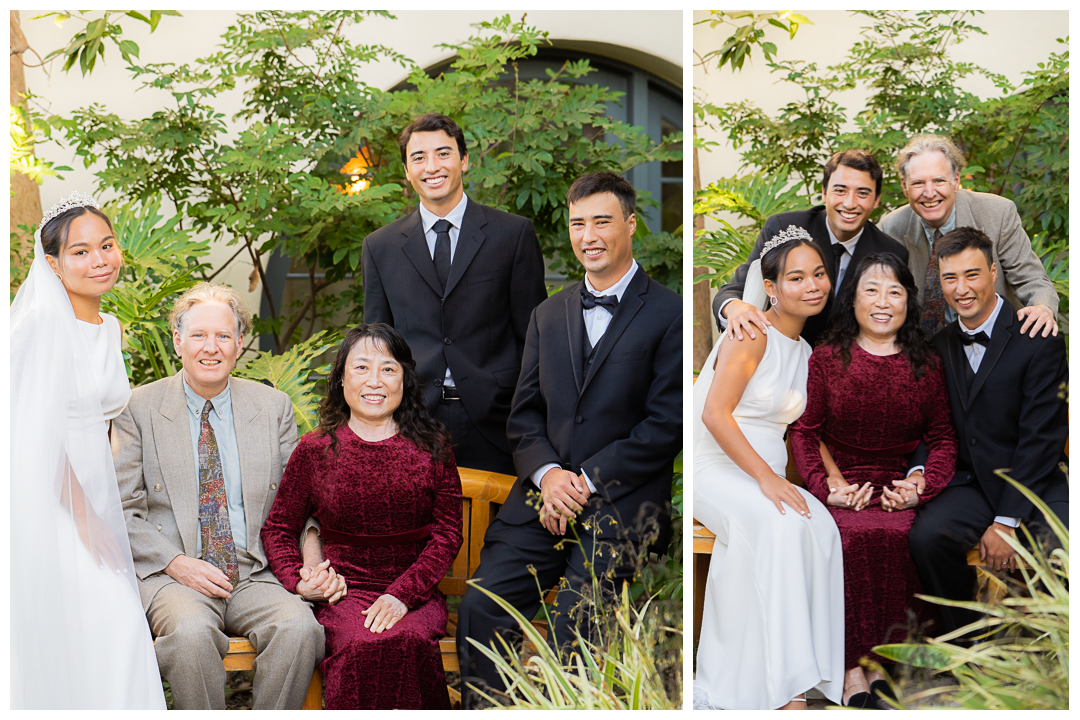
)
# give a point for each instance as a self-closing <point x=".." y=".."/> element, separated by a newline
<point x="214" y="528"/>
<point x="933" y="317"/>
<point x="442" y="250"/>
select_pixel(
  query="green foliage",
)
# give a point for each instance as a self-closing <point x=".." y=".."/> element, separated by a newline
<point x="739" y="47"/>
<point x="618" y="670"/>
<point x="291" y="372"/>
<point x="161" y="260"/>
<point x="89" y="43"/>
<point x="277" y="184"/>
<point x="754" y="197"/>
<point x="1022" y="659"/>
<point x="28" y="129"/>
<point x="1055" y="259"/>
<point x="20" y="255"/>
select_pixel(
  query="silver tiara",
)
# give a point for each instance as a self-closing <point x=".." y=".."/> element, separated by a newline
<point x="74" y="200"/>
<point x="793" y="232"/>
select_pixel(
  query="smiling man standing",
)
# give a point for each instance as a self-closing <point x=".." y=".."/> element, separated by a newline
<point x="929" y="167"/>
<point x="199" y="456"/>
<point x="458" y="280"/>
<point x="595" y="426"/>
<point x="850" y="191"/>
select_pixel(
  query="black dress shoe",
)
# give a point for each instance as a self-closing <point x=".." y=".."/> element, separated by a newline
<point x="880" y="689"/>
<point x="863" y="700"/>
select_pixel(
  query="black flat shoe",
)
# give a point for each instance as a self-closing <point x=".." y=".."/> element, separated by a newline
<point x="880" y="689"/>
<point x="863" y="700"/>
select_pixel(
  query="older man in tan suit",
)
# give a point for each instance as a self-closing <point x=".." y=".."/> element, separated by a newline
<point x="929" y="167"/>
<point x="199" y="457"/>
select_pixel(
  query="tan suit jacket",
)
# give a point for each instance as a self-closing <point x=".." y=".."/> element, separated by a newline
<point x="159" y="484"/>
<point x="1021" y="278"/>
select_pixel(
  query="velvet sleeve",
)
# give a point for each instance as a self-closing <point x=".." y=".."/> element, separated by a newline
<point x="416" y="584"/>
<point x="291" y="508"/>
<point x="940" y="436"/>
<point x="805" y="433"/>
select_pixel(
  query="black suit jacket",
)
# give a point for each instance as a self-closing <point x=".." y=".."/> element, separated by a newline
<point x="1012" y="417"/>
<point x="621" y="423"/>
<point x="814" y="221"/>
<point x="477" y="327"/>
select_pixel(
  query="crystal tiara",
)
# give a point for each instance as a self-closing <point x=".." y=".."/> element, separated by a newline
<point x="74" y="200"/>
<point x="793" y="232"/>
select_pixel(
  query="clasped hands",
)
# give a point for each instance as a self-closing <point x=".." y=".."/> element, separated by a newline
<point x="564" y="495"/>
<point x="321" y="583"/>
<point x="856" y="497"/>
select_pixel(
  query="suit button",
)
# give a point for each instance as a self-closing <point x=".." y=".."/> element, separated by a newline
<point x="157" y="487"/>
<point x="446" y="340"/>
<point x="579" y="419"/>
<point x="273" y="486"/>
<point x="972" y="441"/>
<point x="159" y="528"/>
<point x="438" y="383"/>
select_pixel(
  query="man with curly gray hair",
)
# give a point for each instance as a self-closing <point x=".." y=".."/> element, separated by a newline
<point x="199" y="457"/>
<point x="929" y="167"/>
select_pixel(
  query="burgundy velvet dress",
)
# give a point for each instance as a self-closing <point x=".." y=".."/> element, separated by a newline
<point x="373" y="489"/>
<point x="870" y="415"/>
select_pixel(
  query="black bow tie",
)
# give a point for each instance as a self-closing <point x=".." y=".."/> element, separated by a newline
<point x="589" y="301"/>
<point x="979" y="337"/>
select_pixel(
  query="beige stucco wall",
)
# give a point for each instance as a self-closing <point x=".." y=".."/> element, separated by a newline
<point x="648" y="39"/>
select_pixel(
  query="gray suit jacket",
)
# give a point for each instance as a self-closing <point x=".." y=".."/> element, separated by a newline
<point x="159" y="485"/>
<point x="1021" y="278"/>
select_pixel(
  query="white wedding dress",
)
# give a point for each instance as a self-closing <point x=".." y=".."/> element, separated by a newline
<point x="773" y="623"/>
<point x="79" y="636"/>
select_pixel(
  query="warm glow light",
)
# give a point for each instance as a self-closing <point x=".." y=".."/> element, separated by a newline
<point x="355" y="169"/>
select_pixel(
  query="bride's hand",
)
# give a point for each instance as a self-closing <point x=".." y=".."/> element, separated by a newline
<point x="98" y="539"/>
<point x="779" y="489"/>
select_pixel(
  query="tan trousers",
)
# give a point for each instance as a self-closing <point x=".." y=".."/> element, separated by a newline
<point x="192" y="633"/>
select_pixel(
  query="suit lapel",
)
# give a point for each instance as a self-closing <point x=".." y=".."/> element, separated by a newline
<point x="470" y="238"/>
<point x="416" y="249"/>
<point x="575" y="326"/>
<point x="956" y="359"/>
<point x="964" y="218"/>
<point x="998" y="341"/>
<point x="172" y="435"/>
<point x="819" y="230"/>
<point x="628" y="307"/>
<point x="251" y="425"/>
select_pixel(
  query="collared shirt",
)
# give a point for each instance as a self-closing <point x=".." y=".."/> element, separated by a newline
<point x="845" y="259"/>
<point x="597" y="320"/>
<point x="221" y="420"/>
<point x="975" y="353"/>
<point x="928" y="232"/>
<point x="454" y="217"/>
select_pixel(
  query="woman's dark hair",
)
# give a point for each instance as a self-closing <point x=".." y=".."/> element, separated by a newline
<point x="774" y="262"/>
<point x="54" y="234"/>
<point x="844" y="327"/>
<point x="412" y="418"/>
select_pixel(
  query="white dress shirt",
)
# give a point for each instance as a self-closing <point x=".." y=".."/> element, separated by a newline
<point x="454" y="217"/>
<point x="845" y="259"/>
<point x="597" y="320"/>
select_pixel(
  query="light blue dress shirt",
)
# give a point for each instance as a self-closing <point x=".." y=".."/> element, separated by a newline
<point x="221" y="420"/>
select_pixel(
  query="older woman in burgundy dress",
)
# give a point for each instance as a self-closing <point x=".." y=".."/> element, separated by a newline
<point x="379" y="477"/>
<point x="875" y="390"/>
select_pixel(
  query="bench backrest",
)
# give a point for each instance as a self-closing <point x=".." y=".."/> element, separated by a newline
<point x="482" y="492"/>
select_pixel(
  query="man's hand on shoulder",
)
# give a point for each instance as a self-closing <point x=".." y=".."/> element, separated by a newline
<point x="994" y="550"/>
<point x="1037" y="317"/>
<point x="565" y="495"/>
<point x="742" y="317"/>
<point x="199" y="575"/>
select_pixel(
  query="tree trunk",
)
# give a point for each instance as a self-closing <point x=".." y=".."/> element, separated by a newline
<point x="703" y="322"/>
<point x="25" y="194"/>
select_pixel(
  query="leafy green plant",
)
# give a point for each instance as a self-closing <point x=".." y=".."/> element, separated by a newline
<point x="1022" y="658"/>
<point x="89" y="43"/>
<point x="292" y="373"/>
<point x="161" y="260"/>
<point x="754" y="197"/>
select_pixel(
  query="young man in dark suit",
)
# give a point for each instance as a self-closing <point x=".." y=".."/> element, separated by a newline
<point x="850" y="191"/>
<point x="1005" y="392"/>
<point x="595" y="425"/>
<point x="458" y="280"/>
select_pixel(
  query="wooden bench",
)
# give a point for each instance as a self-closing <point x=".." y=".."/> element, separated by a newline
<point x="483" y="492"/>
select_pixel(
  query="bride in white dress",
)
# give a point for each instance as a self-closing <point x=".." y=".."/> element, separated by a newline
<point x="79" y="637"/>
<point x="773" y="623"/>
